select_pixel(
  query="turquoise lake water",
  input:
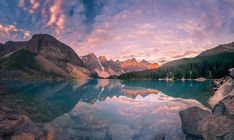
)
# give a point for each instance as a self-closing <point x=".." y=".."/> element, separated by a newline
<point x="107" y="109"/>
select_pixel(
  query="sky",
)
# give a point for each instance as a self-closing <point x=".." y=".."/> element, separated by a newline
<point x="154" y="30"/>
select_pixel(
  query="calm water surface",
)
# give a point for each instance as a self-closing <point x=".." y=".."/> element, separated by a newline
<point x="107" y="109"/>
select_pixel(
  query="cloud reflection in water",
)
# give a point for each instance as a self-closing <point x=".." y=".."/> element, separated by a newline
<point x="125" y="118"/>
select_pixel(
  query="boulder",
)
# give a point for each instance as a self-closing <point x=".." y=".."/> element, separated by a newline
<point x="225" y="107"/>
<point x="200" y="124"/>
<point x="192" y="120"/>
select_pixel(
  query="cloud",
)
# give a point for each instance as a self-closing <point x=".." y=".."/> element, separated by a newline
<point x="57" y="16"/>
<point x="145" y="29"/>
<point x="175" y="29"/>
<point x="189" y="53"/>
<point x="12" y="31"/>
<point x="62" y="19"/>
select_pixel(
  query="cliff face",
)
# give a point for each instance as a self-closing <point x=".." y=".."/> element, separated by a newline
<point x="217" y="124"/>
<point x="42" y="57"/>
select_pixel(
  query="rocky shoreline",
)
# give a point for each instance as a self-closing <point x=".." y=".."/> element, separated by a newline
<point x="199" y="124"/>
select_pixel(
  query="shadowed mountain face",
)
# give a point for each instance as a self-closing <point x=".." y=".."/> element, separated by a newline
<point x="213" y="63"/>
<point x="43" y="56"/>
<point x="104" y="68"/>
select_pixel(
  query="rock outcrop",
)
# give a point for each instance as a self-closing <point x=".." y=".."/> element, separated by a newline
<point x="216" y="125"/>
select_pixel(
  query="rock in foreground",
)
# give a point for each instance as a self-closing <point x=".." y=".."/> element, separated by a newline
<point x="201" y="124"/>
<point x="218" y="125"/>
<point x="192" y="120"/>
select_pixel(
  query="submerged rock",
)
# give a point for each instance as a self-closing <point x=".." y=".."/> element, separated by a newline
<point x="232" y="73"/>
<point x="15" y="126"/>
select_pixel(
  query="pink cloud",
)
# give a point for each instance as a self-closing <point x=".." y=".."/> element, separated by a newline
<point x="6" y="31"/>
<point x="57" y="16"/>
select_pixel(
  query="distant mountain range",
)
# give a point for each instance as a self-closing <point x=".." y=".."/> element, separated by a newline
<point x="45" y="57"/>
<point x="212" y="63"/>
<point x="105" y="68"/>
<point x="42" y="57"/>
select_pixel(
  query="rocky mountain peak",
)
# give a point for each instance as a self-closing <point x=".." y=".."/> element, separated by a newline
<point x="144" y="61"/>
<point x="130" y="61"/>
<point x="51" y="48"/>
<point x="133" y="59"/>
<point x="91" y="62"/>
<point x="44" y="40"/>
<point x="90" y="56"/>
<point x="43" y="37"/>
<point x="102" y="58"/>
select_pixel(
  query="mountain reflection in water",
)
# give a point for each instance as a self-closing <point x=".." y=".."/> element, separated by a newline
<point x="106" y="109"/>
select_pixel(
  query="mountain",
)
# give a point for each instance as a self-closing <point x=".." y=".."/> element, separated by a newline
<point x="134" y="65"/>
<point x="42" y="57"/>
<point x="213" y="63"/>
<point x="219" y="49"/>
<point x="149" y="65"/>
<point x="94" y="65"/>
<point x="112" y="67"/>
<point x="104" y="68"/>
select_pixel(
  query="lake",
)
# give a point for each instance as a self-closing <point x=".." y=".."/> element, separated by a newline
<point x="107" y="109"/>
